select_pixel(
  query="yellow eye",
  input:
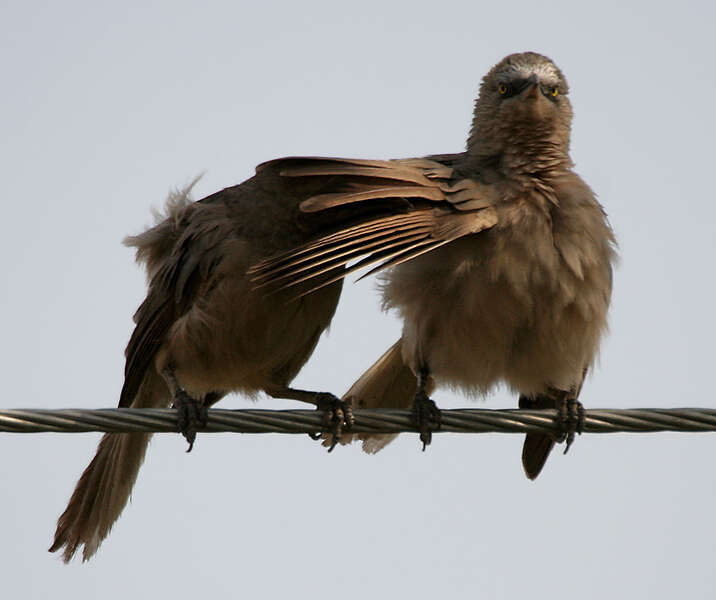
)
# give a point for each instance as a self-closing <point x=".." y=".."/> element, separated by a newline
<point x="502" y="88"/>
<point x="555" y="92"/>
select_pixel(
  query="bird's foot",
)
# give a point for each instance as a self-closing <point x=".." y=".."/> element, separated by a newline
<point x="426" y="417"/>
<point x="338" y="415"/>
<point x="570" y="415"/>
<point x="192" y="415"/>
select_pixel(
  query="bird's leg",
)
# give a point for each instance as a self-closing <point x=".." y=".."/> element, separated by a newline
<point x="426" y="414"/>
<point x="338" y="414"/>
<point x="570" y="414"/>
<point x="191" y="413"/>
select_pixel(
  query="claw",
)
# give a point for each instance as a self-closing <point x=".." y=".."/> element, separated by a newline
<point x="191" y="416"/>
<point x="338" y="415"/>
<point x="571" y="418"/>
<point x="426" y="417"/>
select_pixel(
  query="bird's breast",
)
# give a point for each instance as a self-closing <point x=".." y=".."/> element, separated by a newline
<point x="522" y="303"/>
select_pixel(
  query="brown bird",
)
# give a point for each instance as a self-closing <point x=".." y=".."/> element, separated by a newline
<point x="203" y="331"/>
<point x="498" y="259"/>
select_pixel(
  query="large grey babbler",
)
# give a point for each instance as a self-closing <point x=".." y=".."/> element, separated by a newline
<point x="500" y="263"/>
<point x="203" y="331"/>
<point x="499" y="258"/>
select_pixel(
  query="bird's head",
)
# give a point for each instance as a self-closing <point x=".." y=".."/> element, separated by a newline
<point x="522" y="108"/>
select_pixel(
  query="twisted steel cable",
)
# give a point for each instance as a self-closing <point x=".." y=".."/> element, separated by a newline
<point x="640" y="420"/>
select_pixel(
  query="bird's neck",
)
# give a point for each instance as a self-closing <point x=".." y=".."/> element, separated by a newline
<point x="517" y="154"/>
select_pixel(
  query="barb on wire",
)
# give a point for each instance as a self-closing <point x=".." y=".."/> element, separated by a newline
<point x="366" y="421"/>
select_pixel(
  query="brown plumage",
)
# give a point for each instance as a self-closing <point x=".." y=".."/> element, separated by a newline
<point x="204" y="323"/>
<point x="500" y="257"/>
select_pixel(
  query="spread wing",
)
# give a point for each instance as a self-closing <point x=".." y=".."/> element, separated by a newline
<point x="386" y="212"/>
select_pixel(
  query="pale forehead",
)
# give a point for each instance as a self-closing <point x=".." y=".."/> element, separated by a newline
<point x="524" y="68"/>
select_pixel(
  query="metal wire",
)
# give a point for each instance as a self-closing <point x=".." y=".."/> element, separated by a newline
<point x="158" y="420"/>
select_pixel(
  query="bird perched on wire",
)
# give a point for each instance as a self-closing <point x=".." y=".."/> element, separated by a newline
<point x="203" y="331"/>
<point x="498" y="259"/>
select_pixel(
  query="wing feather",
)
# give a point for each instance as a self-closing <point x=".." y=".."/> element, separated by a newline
<point x="343" y="249"/>
<point x="377" y="225"/>
<point x="334" y="259"/>
<point x="302" y="160"/>
<point x="324" y="201"/>
<point x="371" y="259"/>
<point x="389" y="171"/>
<point x="438" y="208"/>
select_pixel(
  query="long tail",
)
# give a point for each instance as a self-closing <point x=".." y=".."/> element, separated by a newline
<point x="388" y="383"/>
<point x="106" y="484"/>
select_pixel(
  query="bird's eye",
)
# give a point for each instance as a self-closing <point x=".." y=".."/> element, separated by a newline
<point x="502" y="88"/>
<point x="555" y="92"/>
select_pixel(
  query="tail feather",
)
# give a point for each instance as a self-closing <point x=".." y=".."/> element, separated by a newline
<point x="388" y="383"/>
<point x="106" y="484"/>
<point x="537" y="446"/>
<point x="535" y="453"/>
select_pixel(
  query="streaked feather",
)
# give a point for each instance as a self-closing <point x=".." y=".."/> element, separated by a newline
<point x="389" y="171"/>
<point x="350" y="233"/>
<point x="333" y="259"/>
<point x="325" y="201"/>
<point x="343" y="249"/>
<point x="410" y="251"/>
<point x="438" y="210"/>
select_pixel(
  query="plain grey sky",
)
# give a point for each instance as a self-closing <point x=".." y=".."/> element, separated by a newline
<point x="105" y="106"/>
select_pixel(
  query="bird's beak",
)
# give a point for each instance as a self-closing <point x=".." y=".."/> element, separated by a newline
<point x="531" y="87"/>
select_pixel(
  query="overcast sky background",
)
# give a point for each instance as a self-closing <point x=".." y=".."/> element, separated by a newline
<point x="105" y="106"/>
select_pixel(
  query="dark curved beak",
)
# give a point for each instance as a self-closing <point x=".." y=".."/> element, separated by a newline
<point x="530" y="88"/>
